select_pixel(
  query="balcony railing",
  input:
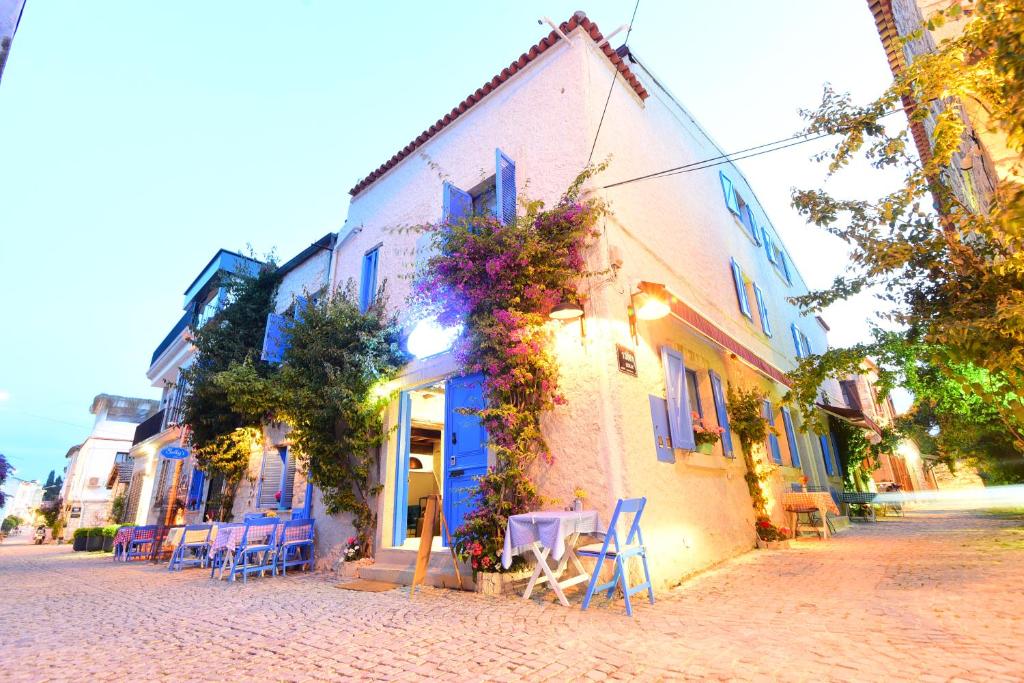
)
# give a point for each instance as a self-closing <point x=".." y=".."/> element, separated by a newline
<point x="173" y="413"/>
<point x="151" y="427"/>
<point x="171" y="336"/>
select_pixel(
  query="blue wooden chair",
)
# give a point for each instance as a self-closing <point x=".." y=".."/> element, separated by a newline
<point x="295" y="545"/>
<point x="193" y="550"/>
<point x="219" y="552"/>
<point x="619" y="553"/>
<point x="256" y="551"/>
<point x="253" y="516"/>
<point x="140" y="542"/>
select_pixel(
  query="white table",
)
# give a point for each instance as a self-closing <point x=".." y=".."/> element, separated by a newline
<point x="550" y="534"/>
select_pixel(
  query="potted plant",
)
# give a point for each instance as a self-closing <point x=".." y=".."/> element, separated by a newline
<point x="81" y="537"/>
<point x="705" y="436"/>
<point x="771" y="536"/>
<point x="94" y="539"/>
<point x="108" y="533"/>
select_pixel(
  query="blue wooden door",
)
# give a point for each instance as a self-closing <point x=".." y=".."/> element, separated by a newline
<point x="465" y="447"/>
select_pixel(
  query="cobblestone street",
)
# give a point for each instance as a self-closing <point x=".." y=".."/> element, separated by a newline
<point x="935" y="596"/>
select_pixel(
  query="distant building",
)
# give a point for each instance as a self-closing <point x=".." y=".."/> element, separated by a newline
<point x="85" y="495"/>
<point x="25" y="501"/>
<point x="159" y="490"/>
<point x="10" y="17"/>
<point x="985" y="158"/>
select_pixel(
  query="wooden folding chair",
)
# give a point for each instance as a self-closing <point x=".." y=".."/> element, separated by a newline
<point x="619" y="553"/>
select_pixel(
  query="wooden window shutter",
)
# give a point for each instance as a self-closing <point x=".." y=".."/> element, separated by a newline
<point x="720" y="410"/>
<point x="679" y="421"/>
<point x="505" y="188"/>
<point x="741" y="290"/>
<point x="455" y="203"/>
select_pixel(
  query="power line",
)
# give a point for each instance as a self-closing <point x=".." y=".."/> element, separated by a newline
<point x="726" y="158"/>
<point x="611" y="88"/>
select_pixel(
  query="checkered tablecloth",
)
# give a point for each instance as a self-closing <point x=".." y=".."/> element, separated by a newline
<point x="549" y="528"/>
<point x="814" y="499"/>
<point x="227" y="538"/>
<point x="298" y="532"/>
<point x="122" y="535"/>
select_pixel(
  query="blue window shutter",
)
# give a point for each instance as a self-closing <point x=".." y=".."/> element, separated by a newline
<point x="769" y="247"/>
<point x="805" y="344"/>
<point x="275" y="339"/>
<point x="368" y="280"/>
<point x="796" y="340"/>
<point x="794" y="449"/>
<point x="773" y="441"/>
<point x="741" y="290"/>
<point x="679" y="420"/>
<point x="505" y="188"/>
<point x="785" y="267"/>
<point x="456" y="204"/>
<point x="762" y="311"/>
<point x="823" y="441"/>
<point x="195" y="490"/>
<point x="287" y="478"/>
<point x="751" y="224"/>
<point x="720" y="410"/>
<point x="730" y="194"/>
<point x="301" y="304"/>
<point x="662" y="435"/>
<point x="835" y="452"/>
<point x="270" y="480"/>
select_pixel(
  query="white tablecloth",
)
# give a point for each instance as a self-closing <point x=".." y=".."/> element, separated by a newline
<point x="550" y="528"/>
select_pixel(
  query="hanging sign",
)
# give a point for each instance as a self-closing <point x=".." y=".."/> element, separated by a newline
<point x="174" y="453"/>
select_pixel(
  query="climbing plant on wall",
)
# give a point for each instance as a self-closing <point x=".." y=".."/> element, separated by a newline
<point x="499" y="280"/>
<point x="223" y="438"/>
<point x="747" y="423"/>
<point x="329" y="390"/>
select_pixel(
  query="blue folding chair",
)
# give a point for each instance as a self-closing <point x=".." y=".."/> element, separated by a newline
<point x="219" y="552"/>
<point x="619" y="553"/>
<point x="295" y="545"/>
<point x="140" y="543"/>
<point x="256" y="551"/>
<point x="194" y="552"/>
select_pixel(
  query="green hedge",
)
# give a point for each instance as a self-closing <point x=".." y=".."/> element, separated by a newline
<point x="106" y="531"/>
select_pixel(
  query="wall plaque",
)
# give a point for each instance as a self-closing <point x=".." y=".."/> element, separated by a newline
<point x="627" y="360"/>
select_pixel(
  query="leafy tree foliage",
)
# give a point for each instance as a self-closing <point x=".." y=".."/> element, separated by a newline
<point x="951" y="277"/>
<point x="222" y="437"/>
<point x="4" y="469"/>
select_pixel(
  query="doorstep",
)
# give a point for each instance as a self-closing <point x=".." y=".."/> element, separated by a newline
<point x="397" y="565"/>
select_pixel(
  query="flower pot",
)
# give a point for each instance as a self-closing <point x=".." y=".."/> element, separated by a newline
<point x="108" y="544"/>
<point x="706" y="448"/>
<point x="94" y="543"/>
<point x="79" y="543"/>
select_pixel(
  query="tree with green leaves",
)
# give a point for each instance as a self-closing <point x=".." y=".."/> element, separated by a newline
<point x="223" y="438"/>
<point x="950" y="278"/>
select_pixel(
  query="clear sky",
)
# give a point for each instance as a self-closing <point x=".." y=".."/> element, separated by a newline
<point x="137" y="138"/>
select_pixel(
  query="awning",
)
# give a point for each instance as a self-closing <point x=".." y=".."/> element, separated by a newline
<point x="853" y="416"/>
<point x="120" y="473"/>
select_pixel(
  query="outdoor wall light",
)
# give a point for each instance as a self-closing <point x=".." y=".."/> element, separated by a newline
<point x="429" y="338"/>
<point x="651" y="302"/>
<point x="566" y="311"/>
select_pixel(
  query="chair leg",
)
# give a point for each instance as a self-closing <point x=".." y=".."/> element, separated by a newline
<point x="590" y="587"/>
<point x="624" y="578"/>
<point x="615" y="578"/>
<point x="647" y="576"/>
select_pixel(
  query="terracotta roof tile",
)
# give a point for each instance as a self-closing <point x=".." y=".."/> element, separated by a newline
<point x="578" y="20"/>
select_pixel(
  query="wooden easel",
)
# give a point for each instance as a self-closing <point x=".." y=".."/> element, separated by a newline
<point x="427" y="542"/>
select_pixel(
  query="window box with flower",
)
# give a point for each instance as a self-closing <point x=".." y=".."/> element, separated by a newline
<point x="770" y="536"/>
<point x="704" y="435"/>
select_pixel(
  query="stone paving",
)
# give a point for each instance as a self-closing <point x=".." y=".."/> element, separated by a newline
<point x="935" y="596"/>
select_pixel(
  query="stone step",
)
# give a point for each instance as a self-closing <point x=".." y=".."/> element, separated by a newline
<point x="403" y="576"/>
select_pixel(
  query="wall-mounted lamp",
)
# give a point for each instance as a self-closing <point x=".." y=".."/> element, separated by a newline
<point x="650" y="302"/>
<point x="568" y="310"/>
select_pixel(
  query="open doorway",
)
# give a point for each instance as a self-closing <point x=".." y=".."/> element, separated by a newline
<point x="422" y="470"/>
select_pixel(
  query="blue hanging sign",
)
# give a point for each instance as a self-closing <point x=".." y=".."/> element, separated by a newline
<point x="174" y="453"/>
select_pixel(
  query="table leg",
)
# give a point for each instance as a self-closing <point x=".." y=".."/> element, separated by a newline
<point x="541" y="556"/>
<point x="824" y="521"/>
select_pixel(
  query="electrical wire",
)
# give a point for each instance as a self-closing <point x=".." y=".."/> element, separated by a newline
<point x="775" y="146"/>
<point x="611" y="88"/>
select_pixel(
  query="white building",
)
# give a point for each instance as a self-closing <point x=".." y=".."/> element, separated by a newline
<point x="25" y="501"/>
<point x="701" y="234"/>
<point x="86" y="498"/>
